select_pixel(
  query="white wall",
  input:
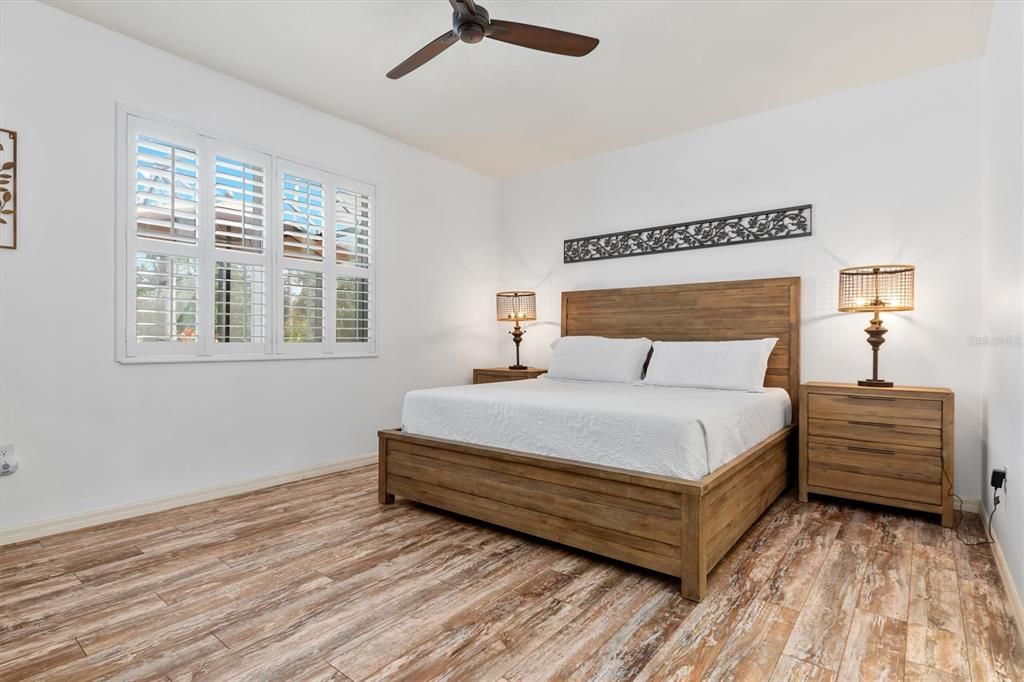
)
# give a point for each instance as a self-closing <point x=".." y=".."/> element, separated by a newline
<point x="1003" y="277"/>
<point x="92" y="433"/>
<point x="894" y="170"/>
<point x="893" y="173"/>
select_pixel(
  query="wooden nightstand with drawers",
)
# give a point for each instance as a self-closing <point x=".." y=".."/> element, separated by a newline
<point x="489" y="375"/>
<point x="890" y="446"/>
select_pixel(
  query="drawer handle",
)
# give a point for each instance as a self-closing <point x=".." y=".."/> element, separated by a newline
<point x="860" y="423"/>
<point x="880" y="451"/>
<point x="869" y="397"/>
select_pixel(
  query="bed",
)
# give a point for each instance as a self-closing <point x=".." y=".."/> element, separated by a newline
<point x="681" y="432"/>
<point x="619" y="494"/>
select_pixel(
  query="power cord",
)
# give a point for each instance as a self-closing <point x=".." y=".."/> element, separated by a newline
<point x="960" y="511"/>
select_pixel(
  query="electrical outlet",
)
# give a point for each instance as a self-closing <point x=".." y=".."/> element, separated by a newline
<point x="8" y="460"/>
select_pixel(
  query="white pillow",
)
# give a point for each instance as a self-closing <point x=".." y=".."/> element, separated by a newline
<point x="729" y="365"/>
<point x="596" y="358"/>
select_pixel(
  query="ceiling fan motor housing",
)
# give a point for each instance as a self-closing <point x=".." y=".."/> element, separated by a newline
<point x="471" y="28"/>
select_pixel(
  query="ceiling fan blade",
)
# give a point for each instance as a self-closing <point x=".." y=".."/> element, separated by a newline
<point x="424" y="55"/>
<point x="540" y="38"/>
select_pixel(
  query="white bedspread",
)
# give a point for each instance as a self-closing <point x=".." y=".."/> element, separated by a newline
<point x="683" y="432"/>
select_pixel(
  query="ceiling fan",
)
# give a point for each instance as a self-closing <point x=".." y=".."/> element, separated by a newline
<point x="471" y="23"/>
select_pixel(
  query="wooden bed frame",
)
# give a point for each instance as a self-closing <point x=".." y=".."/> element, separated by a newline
<point x="675" y="526"/>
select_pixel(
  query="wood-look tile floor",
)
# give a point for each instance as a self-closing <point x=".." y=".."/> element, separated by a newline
<point x="313" y="580"/>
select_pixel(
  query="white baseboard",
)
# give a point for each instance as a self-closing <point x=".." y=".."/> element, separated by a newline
<point x="972" y="505"/>
<point x="1012" y="595"/>
<point x="31" y="531"/>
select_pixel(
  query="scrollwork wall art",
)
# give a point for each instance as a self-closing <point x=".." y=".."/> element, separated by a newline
<point x="780" y="223"/>
<point x="8" y="183"/>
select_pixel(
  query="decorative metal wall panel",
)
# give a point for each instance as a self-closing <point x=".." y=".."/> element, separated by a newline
<point x="781" y="223"/>
<point x="8" y="188"/>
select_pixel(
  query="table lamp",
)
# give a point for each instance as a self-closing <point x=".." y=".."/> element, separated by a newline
<point x="874" y="288"/>
<point x="517" y="306"/>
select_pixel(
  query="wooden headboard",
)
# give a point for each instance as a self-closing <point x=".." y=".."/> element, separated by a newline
<point x="712" y="311"/>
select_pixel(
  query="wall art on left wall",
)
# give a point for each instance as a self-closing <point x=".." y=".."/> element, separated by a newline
<point x="8" y="191"/>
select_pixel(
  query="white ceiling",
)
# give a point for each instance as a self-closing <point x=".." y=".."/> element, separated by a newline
<point x="662" y="67"/>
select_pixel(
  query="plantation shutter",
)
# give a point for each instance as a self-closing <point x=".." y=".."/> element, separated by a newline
<point x="353" y="256"/>
<point x="224" y="250"/>
<point x="303" y="217"/>
<point x="328" y="270"/>
<point x="163" y="244"/>
<point x="239" y="204"/>
<point x="303" y="306"/>
<point x="352" y="227"/>
<point x="166" y="297"/>
<point x="239" y="264"/>
<point x="166" y="189"/>
<point x="306" y="311"/>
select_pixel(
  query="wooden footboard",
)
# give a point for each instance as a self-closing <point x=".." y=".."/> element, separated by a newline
<point x="670" y="525"/>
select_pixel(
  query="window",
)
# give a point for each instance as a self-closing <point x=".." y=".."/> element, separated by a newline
<point x="232" y="253"/>
<point x="352" y="252"/>
<point x="326" y="272"/>
<point x="165" y="297"/>
<point x="303" y="307"/>
<point x="239" y="302"/>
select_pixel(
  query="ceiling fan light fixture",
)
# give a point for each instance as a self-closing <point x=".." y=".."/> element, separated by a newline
<point x="470" y="32"/>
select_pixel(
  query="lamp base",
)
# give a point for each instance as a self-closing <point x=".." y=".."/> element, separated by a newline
<point x="517" y="337"/>
<point x="876" y="337"/>
<point x="877" y="383"/>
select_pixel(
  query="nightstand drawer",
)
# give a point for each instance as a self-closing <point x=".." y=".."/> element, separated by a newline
<point x="876" y="432"/>
<point x="823" y="476"/>
<point x="905" y="412"/>
<point x="878" y="486"/>
<point x="905" y="465"/>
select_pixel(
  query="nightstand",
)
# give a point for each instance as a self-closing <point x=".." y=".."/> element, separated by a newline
<point x="489" y="375"/>
<point x="890" y="446"/>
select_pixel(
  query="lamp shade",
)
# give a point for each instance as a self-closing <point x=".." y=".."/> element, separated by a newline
<point x="517" y="305"/>
<point x="876" y="287"/>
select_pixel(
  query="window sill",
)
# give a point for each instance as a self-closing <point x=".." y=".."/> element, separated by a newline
<point x="173" y="359"/>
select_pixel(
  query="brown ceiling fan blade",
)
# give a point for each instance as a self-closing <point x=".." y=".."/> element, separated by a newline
<point x="540" y="38"/>
<point x="424" y="55"/>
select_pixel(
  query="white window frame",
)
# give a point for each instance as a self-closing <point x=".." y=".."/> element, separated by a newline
<point x="129" y="121"/>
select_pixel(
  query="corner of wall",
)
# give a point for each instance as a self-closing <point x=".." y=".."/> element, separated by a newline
<point x="1002" y="292"/>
